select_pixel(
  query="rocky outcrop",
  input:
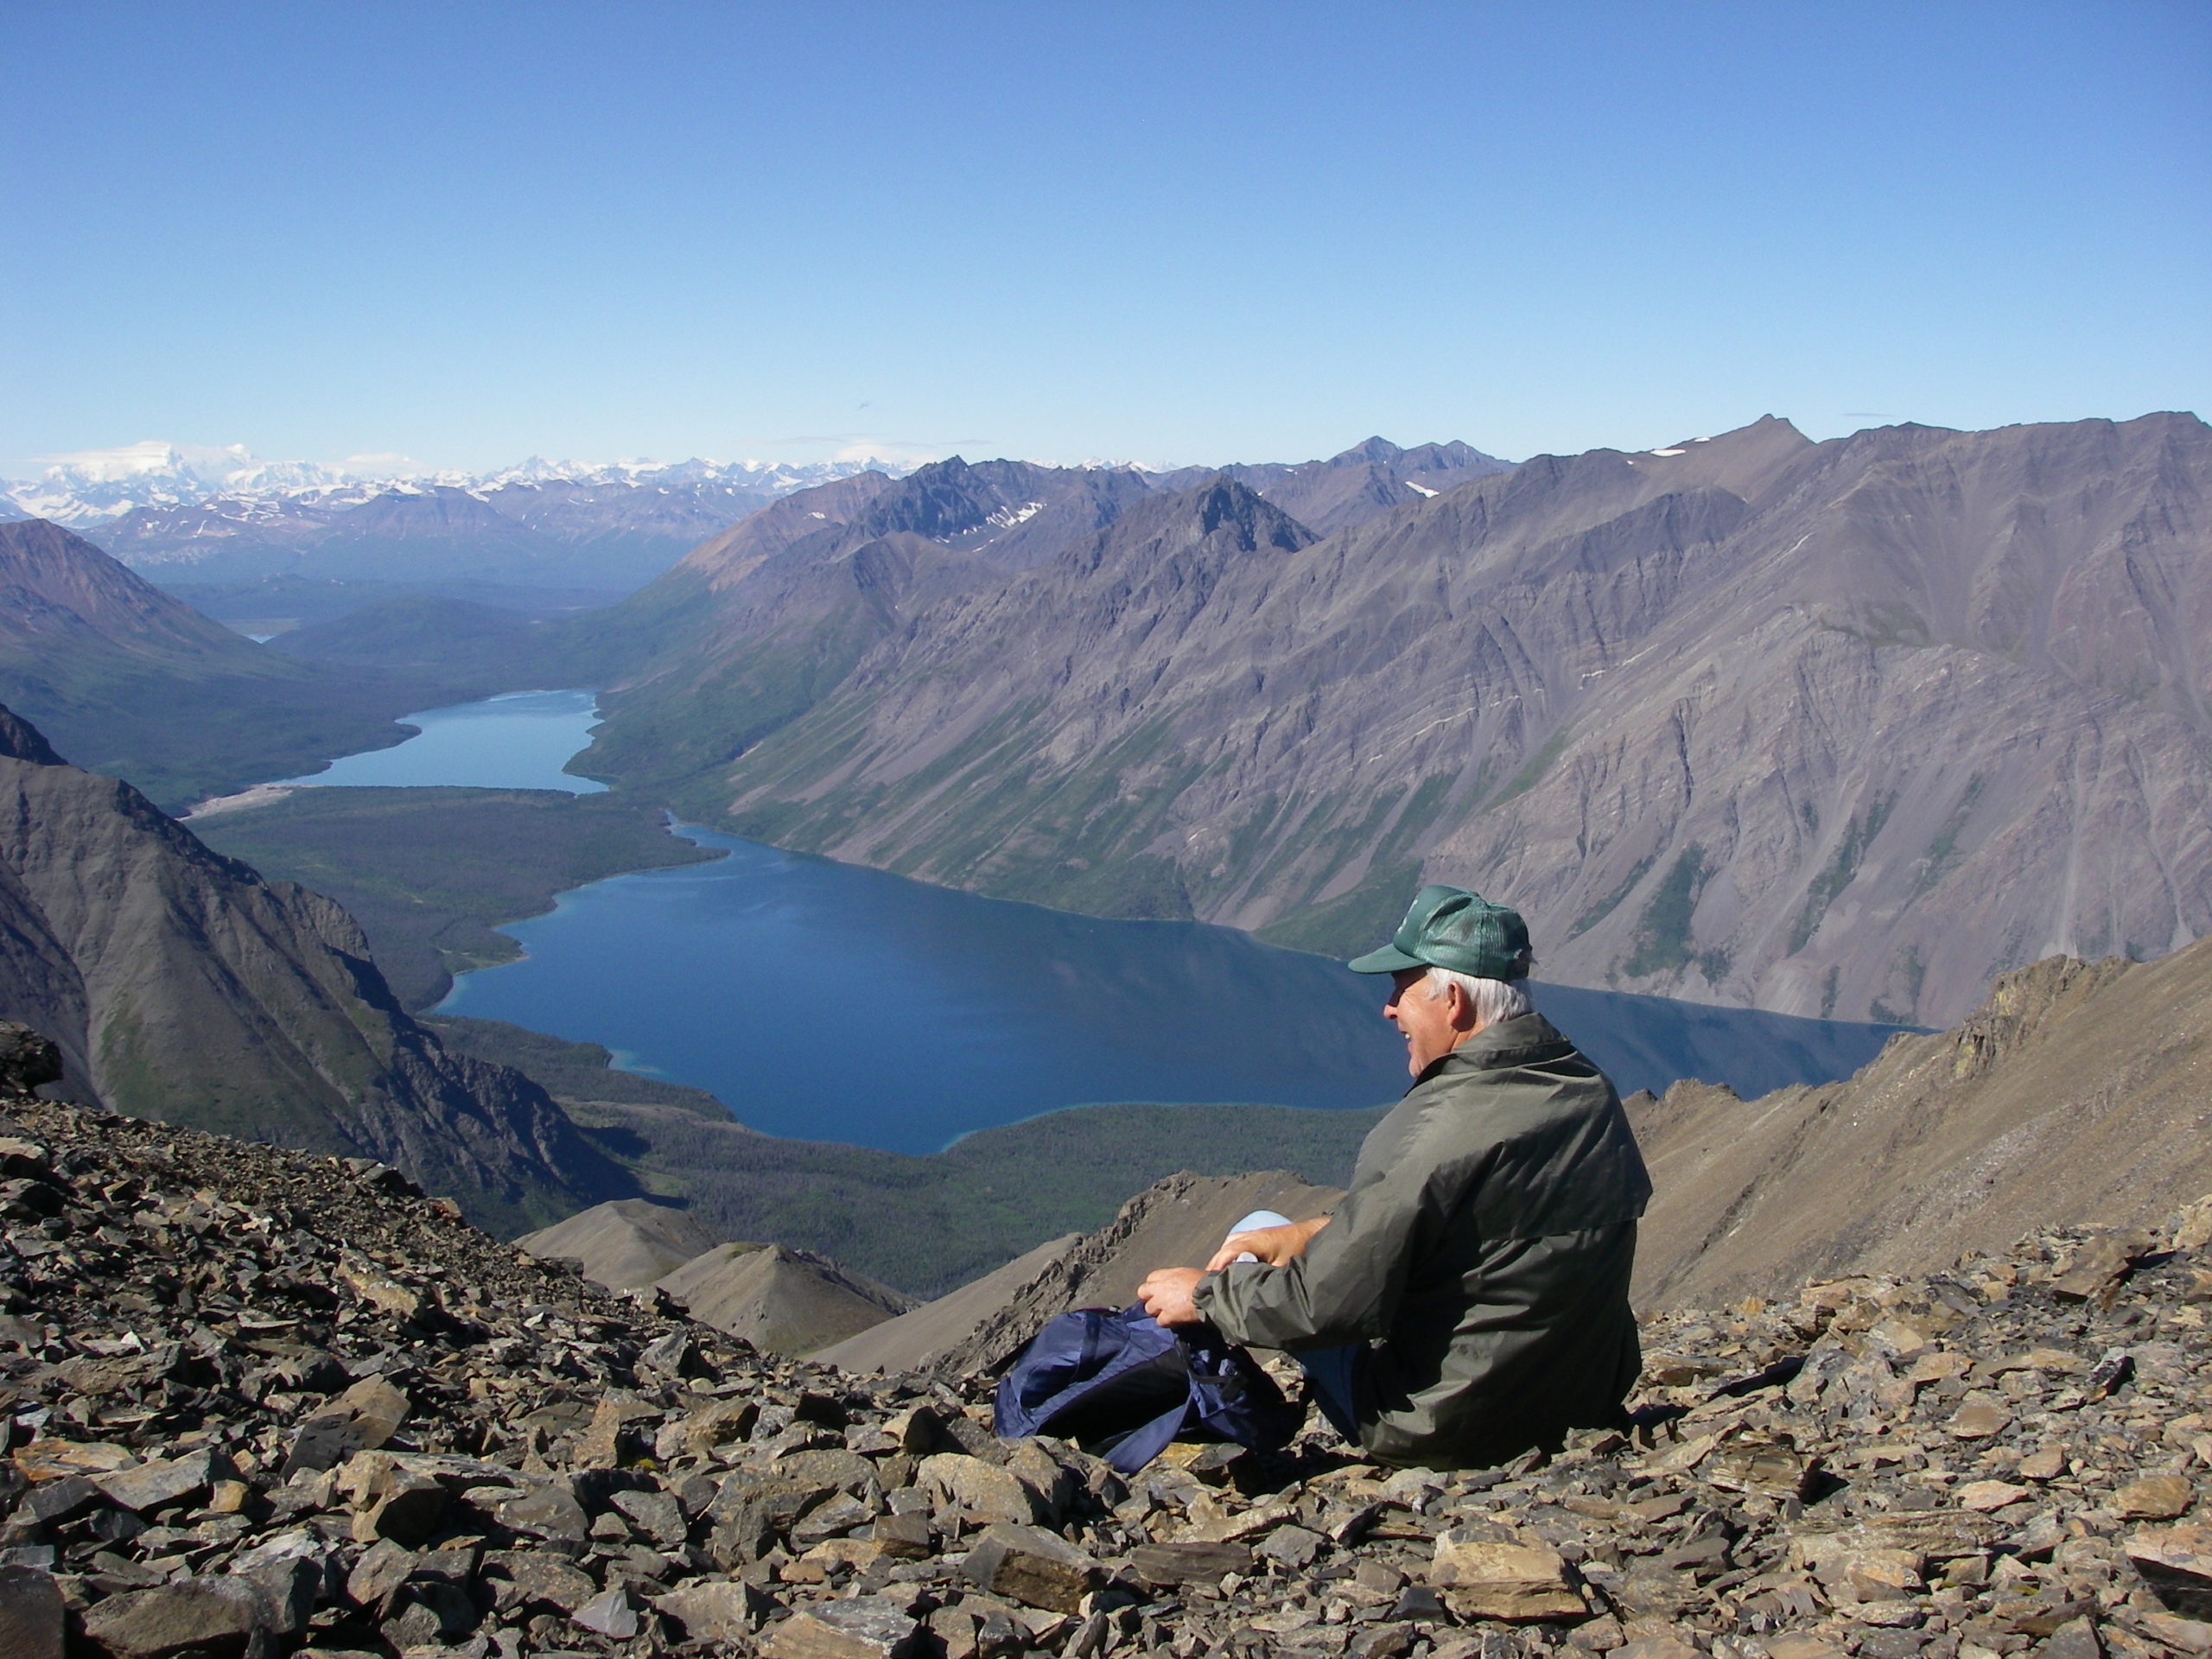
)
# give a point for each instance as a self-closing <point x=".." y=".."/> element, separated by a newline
<point x="266" y="1401"/>
<point x="2079" y="1092"/>
<point x="1840" y="728"/>
<point x="179" y="984"/>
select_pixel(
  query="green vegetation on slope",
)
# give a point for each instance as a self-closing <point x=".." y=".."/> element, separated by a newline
<point x="1857" y="835"/>
<point x="1352" y="922"/>
<point x="1663" y="942"/>
<point x="429" y="873"/>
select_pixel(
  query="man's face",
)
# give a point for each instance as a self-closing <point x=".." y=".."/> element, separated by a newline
<point x="1425" y="1021"/>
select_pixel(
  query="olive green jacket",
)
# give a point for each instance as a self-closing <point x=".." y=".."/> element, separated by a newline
<point x="1484" y="1249"/>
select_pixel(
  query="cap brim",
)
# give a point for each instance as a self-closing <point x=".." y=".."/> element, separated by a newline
<point x="1388" y="960"/>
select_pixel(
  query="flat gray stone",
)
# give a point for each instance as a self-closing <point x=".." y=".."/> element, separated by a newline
<point x="610" y="1614"/>
<point x="158" y="1486"/>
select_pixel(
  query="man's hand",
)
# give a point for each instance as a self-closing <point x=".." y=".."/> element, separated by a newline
<point x="1272" y="1245"/>
<point x="1167" y="1295"/>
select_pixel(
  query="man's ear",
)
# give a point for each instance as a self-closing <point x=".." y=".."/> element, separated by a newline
<point x="1461" y="1008"/>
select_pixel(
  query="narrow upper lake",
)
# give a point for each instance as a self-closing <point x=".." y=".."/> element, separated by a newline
<point x="521" y="740"/>
<point x="834" y="1002"/>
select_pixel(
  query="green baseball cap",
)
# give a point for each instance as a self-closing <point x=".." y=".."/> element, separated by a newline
<point x="1450" y="927"/>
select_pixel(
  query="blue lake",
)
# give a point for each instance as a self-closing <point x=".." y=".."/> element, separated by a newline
<point x="833" y="1002"/>
<point x="521" y="740"/>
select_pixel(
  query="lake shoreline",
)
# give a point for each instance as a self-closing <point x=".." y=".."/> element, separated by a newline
<point x="454" y="879"/>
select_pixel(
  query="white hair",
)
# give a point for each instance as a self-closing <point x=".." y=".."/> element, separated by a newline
<point x="1492" y="999"/>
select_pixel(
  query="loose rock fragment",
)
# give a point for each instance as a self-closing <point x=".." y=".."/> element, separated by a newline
<point x="1173" y="1564"/>
<point x="215" y="1615"/>
<point x="1483" y="1578"/>
<point x="1033" y="1566"/>
<point x="867" y="1627"/>
<point x="984" y="1489"/>
<point x="2176" y="1563"/>
<point x="726" y="1610"/>
<point x="2155" y="1497"/>
<point x="609" y="1614"/>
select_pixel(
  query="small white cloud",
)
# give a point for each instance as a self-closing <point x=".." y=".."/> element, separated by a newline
<point x="382" y="464"/>
<point x="899" y="454"/>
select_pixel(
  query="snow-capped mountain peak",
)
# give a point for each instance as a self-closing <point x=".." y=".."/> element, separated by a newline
<point x="97" y="486"/>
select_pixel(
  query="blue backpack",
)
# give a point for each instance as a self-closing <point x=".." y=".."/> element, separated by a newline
<point x="1121" y="1386"/>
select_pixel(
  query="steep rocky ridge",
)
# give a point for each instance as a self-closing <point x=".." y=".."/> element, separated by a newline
<point x="1838" y="729"/>
<point x="751" y="627"/>
<point x="780" y="1300"/>
<point x="2080" y="1094"/>
<point x="1026" y="704"/>
<point x="179" y="983"/>
<point x="138" y="685"/>
<point x="1328" y="496"/>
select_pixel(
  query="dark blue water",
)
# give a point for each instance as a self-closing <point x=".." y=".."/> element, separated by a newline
<point x="833" y="1002"/>
<point x="521" y="740"/>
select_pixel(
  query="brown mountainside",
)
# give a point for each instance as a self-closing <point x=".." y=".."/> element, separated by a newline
<point x="2079" y="1094"/>
<point x="181" y="985"/>
<point x="1840" y="729"/>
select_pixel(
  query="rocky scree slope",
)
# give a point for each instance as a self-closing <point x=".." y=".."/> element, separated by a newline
<point x="260" y="1401"/>
<point x="1838" y="728"/>
<point x="179" y="983"/>
<point x="2080" y="1091"/>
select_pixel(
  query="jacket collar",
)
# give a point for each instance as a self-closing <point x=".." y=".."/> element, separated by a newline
<point x="1518" y="1041"/>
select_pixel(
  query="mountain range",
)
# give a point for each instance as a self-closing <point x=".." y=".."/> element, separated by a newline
<point x="104" y="486"/>
<point x="211" y="520"/>
<point x="603" y="528"/>
<point x="1838" y="729"/>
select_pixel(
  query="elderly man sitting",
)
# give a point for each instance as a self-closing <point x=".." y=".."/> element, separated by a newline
<point x="1467" y="1300"/>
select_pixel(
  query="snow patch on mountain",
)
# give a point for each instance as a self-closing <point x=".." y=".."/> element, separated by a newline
<point x="96" y="487"/>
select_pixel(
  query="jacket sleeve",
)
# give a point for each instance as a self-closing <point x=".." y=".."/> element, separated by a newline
<point x="1346" y="1286"/>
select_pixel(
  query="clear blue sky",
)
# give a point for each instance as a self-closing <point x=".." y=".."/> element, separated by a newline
<point x="1165" y="233"/>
